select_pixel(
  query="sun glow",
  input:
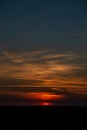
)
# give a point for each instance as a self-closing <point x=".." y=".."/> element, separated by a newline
<point x="45" y="96"/>
<point x="46" y="104"/>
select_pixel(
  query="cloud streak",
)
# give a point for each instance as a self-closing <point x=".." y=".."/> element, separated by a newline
<point x="80" y="34"/>
<point x="42" y="68"/>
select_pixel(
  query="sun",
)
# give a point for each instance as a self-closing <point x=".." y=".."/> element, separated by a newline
<point x="46" y="104"/>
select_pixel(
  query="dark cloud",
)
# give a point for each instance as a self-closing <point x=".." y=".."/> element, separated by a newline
<point x="13" y="81"/>
<point x="81" y="73"/>
<point x="77" y="84"/>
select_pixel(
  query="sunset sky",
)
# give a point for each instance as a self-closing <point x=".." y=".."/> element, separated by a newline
<point x="43" y="44"/>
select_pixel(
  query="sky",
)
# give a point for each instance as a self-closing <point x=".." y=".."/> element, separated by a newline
<point x="43" y="43"/>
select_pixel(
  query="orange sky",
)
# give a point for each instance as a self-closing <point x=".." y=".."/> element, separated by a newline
<point x="42" y="68"/>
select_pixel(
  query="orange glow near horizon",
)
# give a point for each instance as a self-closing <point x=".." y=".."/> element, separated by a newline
<point x="45" y="96"/>
<point x="46" y="104"/>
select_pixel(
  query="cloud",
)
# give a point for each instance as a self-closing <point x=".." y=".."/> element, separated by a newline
<point x="80" y="34"/>
<point x="36" y="56"/>
<point x="41" y="68"/>
<point x="13" y="82"/>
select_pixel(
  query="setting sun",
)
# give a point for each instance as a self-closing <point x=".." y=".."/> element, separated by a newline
<point x="46" y="104"/>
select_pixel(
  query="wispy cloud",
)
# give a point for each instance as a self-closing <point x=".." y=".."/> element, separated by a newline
<point x="41" y="68"/>
<point x="80" y="34"/>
